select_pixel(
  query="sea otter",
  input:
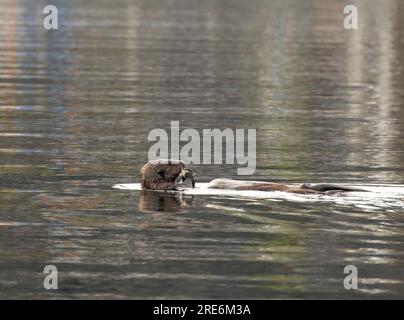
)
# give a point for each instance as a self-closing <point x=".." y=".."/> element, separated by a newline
<point x="174" y="175"/>
<point x="166" y="175"/>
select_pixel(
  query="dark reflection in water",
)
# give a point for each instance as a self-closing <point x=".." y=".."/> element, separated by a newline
<point x="151" y="201"/>
<point x="76" y="106"/>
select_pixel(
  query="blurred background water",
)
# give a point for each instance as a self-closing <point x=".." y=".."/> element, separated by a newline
<point x="77" y="104"/>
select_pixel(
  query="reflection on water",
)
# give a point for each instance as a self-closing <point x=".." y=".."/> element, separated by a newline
<point x="150" y="201"/>
<point x="76" y="106"/>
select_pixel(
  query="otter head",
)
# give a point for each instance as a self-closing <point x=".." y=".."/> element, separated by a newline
<point x="165" y="175"/>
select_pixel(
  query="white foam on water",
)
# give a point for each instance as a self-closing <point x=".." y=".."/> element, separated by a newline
<point x="378" y="197"/>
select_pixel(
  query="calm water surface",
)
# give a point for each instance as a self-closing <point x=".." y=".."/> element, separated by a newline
<point x="77" y="104"/>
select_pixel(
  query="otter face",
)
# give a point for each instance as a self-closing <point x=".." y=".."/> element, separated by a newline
<point x="164" y="174"/>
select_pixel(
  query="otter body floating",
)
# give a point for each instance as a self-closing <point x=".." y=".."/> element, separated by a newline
<point x="174" y="175"/>
<point x="271" y="186"/>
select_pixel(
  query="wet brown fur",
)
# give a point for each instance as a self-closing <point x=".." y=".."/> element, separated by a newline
<point x="161" y="174"/>
<point x="257" y="186"/>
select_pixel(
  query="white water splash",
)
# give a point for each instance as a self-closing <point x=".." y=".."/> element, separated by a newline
<point x="380" y="196"/>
